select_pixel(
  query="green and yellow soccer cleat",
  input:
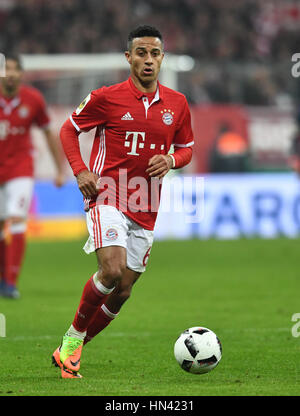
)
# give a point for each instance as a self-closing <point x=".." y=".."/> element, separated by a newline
<point x="70" y="353"/>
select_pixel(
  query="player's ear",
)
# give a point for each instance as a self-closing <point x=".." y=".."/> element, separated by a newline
<point x="128" y="56"/>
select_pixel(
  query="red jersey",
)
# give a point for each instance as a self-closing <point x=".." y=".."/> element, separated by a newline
<point x="17" y="115"/>
<point x="131" y="127"/>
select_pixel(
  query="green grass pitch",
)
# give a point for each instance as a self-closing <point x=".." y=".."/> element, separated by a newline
<point x="246" y="291"/>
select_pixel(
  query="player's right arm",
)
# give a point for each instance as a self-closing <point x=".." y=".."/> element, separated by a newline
<point x="89" y="114"/>
<point x="87" y="183"/>
<point x="86" y="180"/>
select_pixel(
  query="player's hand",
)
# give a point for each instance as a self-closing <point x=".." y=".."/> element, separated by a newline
<point x="159" y="166"/>
<point x="87" y="183"/>
<point x="59" y="179"/>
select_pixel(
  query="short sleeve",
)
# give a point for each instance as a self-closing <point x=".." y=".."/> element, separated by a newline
<point x="91" y="112"/>
<point x="184" y="135"/>
<point x="42" y="118"/>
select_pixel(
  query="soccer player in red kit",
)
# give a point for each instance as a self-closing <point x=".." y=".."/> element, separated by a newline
<point x="21" y="106"/>
<point x="136" y="123"/>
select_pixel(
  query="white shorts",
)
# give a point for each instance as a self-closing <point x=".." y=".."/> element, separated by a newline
<point x="15" y="197"/>
<point x="108" y="226"/>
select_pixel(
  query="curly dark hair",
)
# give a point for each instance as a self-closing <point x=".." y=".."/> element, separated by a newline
<point x="141" y="32"/>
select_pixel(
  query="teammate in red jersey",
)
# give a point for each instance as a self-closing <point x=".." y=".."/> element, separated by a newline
<point x="136" y="123"/>
<point x="294" y="158"/>
<point x="21" y="106"/>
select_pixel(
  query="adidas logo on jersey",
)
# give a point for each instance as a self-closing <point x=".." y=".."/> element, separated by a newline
<point x="127" y="116"/>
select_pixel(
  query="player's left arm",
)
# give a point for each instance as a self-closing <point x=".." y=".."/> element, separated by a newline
<point x="56" y="154"/>
<point x="159" y="165"/>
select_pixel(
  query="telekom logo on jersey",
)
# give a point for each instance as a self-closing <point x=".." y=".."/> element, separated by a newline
<point x="134" y="142"/>
<point x="137" y="141"/>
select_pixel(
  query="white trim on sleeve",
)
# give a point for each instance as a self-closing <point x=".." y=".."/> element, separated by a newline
<point x="184" y="145"/>
<point x="75" y="125"/>
<point x="173" y="158"/>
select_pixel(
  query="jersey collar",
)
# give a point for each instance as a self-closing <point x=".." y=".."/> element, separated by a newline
<point x="139" y="94"/>
<point x="9" y="106"/>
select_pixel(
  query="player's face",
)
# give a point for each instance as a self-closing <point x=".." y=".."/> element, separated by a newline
<point x="145" y="59"/>
<point x="13" y="77"/>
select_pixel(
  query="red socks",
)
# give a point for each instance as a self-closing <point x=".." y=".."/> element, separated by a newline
<point x="14" y="258"/>
<point x="12" y="251"/>
<point x="101" y="319"/>
<point x="94" y="294"/>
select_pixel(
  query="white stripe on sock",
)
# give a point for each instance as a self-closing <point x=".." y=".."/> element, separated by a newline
<point x="104" y="290"/>
<point x="108" y="312"/>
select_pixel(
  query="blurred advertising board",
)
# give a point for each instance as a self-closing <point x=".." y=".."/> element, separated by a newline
<point x="265" y="205"/>
<point x="223" y="206"/>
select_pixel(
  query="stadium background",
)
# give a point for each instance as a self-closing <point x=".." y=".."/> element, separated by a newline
<point x="240" y="78"/>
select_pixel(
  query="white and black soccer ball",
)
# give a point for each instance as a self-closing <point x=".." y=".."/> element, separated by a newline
<point x="198" y="350"/>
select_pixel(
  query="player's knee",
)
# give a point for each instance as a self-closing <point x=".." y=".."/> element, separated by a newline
<point x="17" y="225"/>
<point x="16" y="220"/>
<point x="113" y="272"/>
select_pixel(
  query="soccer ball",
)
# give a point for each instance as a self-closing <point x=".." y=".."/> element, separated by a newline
<point x="198" y="350"/>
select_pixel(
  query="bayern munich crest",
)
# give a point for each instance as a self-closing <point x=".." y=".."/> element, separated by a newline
<point x="111" y="234"/>
<point x="167" y="117"/>
<point x="23" y="111"/>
